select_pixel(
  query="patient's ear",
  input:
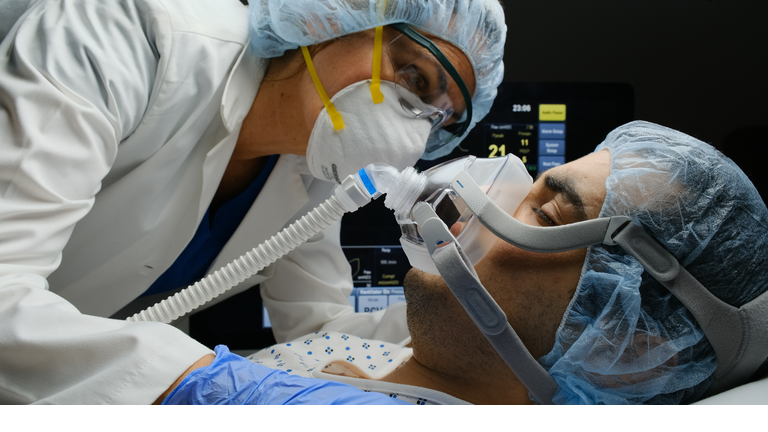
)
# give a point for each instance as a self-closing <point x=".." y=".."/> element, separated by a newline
<point x="654" y="346"/>
<point x="651" y="355"/>
<point x="647" y="358"/>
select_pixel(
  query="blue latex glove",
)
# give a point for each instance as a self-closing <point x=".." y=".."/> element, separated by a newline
<point x="232" y="380"/>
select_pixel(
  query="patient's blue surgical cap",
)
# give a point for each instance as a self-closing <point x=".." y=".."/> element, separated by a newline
<point x="475" y="26"/>
<point x="624" y="338"/>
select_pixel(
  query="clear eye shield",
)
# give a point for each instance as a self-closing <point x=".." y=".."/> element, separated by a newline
<point x="455" y="222"/>
<point x="428" y="85"/>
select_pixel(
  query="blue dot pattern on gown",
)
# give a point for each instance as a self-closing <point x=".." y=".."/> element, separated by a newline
<point x="337" y="353"/>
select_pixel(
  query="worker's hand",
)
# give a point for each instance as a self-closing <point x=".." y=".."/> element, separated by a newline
<point x="232" y="380"/>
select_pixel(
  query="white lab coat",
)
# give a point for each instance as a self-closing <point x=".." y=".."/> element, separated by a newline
<point x="117" y="120"/>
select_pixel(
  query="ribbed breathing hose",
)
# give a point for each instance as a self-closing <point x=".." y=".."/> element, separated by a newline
<point x="348" y="197"/>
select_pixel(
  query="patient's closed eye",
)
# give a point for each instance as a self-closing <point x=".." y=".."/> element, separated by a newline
<point x="543" y="216"/>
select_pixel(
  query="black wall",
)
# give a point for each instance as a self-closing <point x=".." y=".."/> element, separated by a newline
<point x="699" y="66"/>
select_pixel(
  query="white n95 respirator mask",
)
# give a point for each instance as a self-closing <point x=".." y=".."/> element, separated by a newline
<point x="380" y="132"/>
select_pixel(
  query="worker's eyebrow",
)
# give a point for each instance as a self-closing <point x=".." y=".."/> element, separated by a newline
<point x="564" y="186"/>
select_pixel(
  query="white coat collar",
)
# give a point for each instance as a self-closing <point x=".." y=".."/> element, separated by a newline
<point x="241" y="88"/>
<point x="239" y="93"/>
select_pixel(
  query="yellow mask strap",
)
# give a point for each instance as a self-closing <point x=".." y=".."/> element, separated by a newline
<point x="338" y="122"/>
<point x="376" y="94"/>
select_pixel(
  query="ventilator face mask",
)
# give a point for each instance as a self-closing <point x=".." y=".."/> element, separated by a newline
<point x="374" y="121"/>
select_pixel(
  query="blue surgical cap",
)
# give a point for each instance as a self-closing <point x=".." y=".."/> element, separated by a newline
<point x="475" y="26"/>
<point x="624" y="338"/>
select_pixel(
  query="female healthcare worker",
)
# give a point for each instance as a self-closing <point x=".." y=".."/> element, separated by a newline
<point x="133" y="133"/>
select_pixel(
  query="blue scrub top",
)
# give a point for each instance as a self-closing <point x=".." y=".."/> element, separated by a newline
<point x="210" y="238"/>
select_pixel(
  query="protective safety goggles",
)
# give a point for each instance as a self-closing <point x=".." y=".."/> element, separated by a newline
<point x="480" y="198"/>
<point x="428" y="86"/>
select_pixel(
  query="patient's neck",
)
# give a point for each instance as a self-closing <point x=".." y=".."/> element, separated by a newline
<point x="482" y="388"/>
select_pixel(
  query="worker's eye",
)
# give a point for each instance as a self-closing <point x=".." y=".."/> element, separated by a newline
<point x="543" y="216"/>
<point x="414" y="79"/>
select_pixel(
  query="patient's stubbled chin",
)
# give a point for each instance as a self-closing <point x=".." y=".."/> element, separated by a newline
<point x="439" y="325"/>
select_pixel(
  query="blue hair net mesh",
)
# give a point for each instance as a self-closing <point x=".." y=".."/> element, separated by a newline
<point x="624" y="338"/>
<point x="475" y="26"/>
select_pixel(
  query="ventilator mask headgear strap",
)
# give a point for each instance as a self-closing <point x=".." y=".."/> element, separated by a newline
<point x="739" y="336"/>
<point x="457" y="271"/>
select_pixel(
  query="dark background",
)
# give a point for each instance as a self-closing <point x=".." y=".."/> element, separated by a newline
<point x="698" y="66"/>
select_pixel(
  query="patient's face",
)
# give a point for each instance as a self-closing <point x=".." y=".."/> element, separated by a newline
<point x="534" y="289"/>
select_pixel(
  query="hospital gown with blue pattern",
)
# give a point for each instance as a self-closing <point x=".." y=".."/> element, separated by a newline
<point x="341" y="357"/>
